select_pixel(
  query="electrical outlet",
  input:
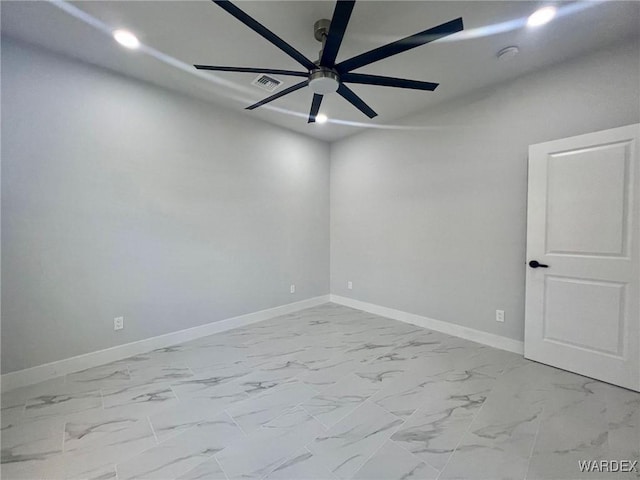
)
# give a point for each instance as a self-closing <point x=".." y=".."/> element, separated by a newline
<point x="292" y="289"/>
<point x="118" y="323"/>
<point x="499" y="315"/>
<point x="350" y="285"/>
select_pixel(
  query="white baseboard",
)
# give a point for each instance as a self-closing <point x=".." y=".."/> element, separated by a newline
<point x="490" y="339"/>
<point x="40" y="373"/>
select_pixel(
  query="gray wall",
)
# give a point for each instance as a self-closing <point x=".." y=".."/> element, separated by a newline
<point x="432" y="220"/>
<point x="119" y="198"/>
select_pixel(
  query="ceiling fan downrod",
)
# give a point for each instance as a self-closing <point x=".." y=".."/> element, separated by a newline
<point x="320" y="33"/>
<point x="323" y="80"/>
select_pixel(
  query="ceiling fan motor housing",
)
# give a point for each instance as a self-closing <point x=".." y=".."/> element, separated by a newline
<point x="324" y="81"/>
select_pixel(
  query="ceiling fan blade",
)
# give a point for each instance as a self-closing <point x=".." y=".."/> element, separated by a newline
<point x="356" y="101"/>
<point x="284" y="92"/>
<point x="402" y="45"/>
<point x="266" y="33"/>
<point x="387" y="81"/>
<point x="339" y="21"/>
<point x="315" y="107"/>
<point x="252" y="70"/>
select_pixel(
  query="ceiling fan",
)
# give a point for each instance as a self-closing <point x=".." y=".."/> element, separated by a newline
<point x="324" y="76"/>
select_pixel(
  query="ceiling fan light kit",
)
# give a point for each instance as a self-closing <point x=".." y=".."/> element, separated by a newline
<point x="324" y="81"/>
<point x="325" y="76"/>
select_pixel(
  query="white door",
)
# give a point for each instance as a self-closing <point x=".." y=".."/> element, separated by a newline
<point x="583" y="299"/>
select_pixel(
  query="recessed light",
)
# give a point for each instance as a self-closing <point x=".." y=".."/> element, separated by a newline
<point x="321" y="118"/>
<point x="126" y="39"/>
<point x="541" y="16"/>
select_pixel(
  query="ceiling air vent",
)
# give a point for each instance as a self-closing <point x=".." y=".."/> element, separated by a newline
<point x="266" y="83"/>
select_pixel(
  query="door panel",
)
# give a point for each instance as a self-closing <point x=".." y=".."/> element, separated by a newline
<point x="585" y="185"/>
<point x="598" y="307"/>
<point x="583" y="312"/>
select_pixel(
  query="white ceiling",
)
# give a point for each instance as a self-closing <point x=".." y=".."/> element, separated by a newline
<point x="181" y="33"/>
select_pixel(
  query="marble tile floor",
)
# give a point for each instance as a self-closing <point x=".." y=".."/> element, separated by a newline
<point x="325" y="393"/>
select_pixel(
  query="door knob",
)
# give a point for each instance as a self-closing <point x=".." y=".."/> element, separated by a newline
<point x="537" y="264"/>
